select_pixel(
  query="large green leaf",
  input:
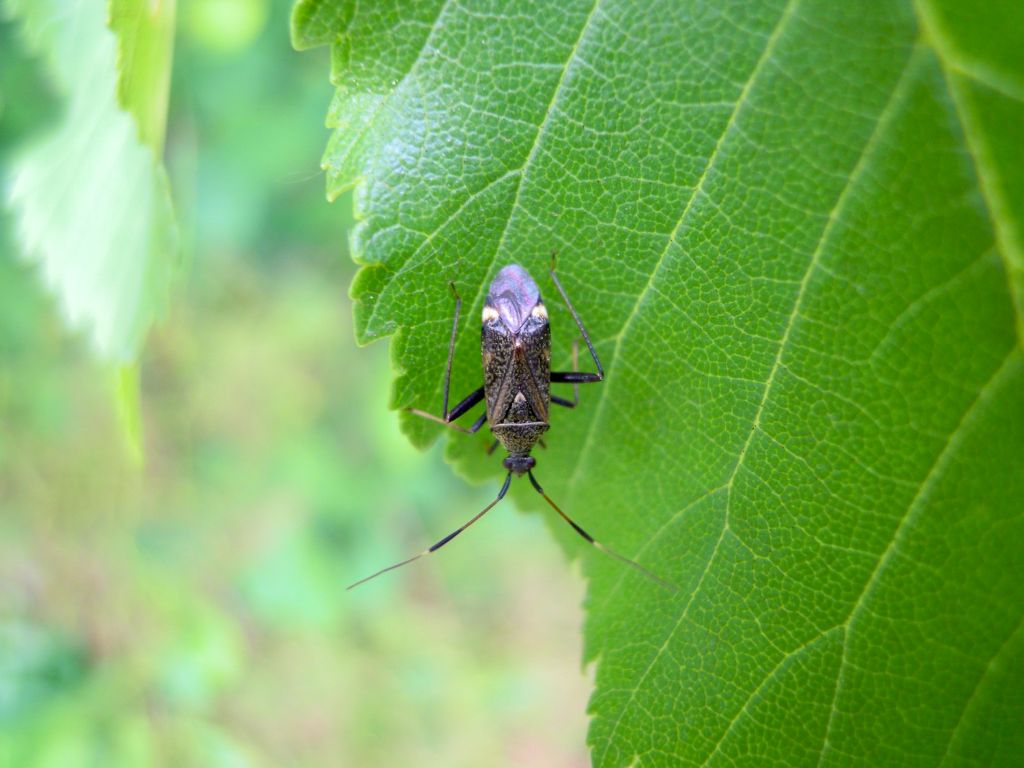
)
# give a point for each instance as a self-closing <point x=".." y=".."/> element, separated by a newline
<point x="91" y="200"/>
<point x="794" y="230"/>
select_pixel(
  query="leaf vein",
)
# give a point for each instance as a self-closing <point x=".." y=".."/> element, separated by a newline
<point x="911" y="515"/>
<point x="588" y="439"/>
<point x="386" y="100"/>
<point x="782" y="664"/>
<point x="730" y="126"/>
<point x="414" y="261"/>
<point x="982" y="678"/>
<point x="535" y="145"/>
<point x="987" y="171"/>
<point x="882" y="123"/>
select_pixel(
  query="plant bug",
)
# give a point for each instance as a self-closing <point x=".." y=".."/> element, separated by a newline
<point x="516" y="350"/>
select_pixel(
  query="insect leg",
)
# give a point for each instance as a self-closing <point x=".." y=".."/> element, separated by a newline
<point x="472" y="399"/>
<point x="583" y="331"/>
<point x="598" y="545"/>
<point x="451" y="348"/>
<point x="575" y="377"/>
<point x="575" y="385"/>
<point x="468" y="402"/>
<point x="430" y="550"/>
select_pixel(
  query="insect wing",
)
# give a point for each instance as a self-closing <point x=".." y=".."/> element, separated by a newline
<point x="513" y="295"/>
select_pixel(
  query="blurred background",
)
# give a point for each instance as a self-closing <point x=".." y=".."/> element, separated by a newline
<point x="192" y="612"/>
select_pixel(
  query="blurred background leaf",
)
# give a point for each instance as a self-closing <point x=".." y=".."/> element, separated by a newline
<point x="793" y="230"/>
<point x="193" y="613"/>
<point x="91" y="200"/>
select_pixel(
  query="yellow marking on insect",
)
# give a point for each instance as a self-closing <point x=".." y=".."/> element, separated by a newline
<point x="539" y="310"/>
<point x="489" y="313"/>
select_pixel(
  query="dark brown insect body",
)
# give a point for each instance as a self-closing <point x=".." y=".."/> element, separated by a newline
<point x="515" y="345"/>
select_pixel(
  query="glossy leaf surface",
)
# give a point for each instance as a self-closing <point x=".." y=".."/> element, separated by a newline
<point x="794" y="232"/>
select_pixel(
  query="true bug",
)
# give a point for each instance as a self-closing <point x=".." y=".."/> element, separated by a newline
<point x="516" y="350"/>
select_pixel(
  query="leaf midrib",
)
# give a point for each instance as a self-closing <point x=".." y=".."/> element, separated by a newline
<point x="988" y="175"/>
<point x="881" y="123"/>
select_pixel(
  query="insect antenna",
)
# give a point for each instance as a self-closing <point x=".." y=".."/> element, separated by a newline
<point x="433" y="548"/>
<point x="598" y="545"/>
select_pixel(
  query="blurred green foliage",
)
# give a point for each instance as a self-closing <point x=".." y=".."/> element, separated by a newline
<point x="90" y="195"/>
<point x="194" y="613"/>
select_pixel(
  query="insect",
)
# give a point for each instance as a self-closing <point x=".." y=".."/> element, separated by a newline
<point x="516" y="350"/>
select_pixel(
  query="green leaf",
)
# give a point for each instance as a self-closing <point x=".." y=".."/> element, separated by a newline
<point x="145" y="36"/>
<point x="91" y="200"/>
<point x="37" y="666"/>
<point x="129" y="411"/>
<point x="793" y="230"/>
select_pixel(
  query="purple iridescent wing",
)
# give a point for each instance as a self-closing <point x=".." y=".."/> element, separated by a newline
<point x="513" y="295"/>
